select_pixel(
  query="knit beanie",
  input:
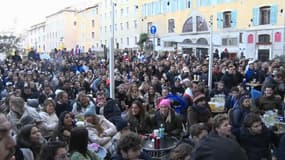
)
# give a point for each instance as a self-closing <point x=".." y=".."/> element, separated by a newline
<point x="199" y="97"/>
<point x="89" y="112"/>
<point x="164" y="102"/>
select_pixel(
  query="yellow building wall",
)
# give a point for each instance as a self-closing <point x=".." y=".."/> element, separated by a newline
<point x="244" y="14"/>
<point x="85" y="28"/>
<point x="69" y="31"/>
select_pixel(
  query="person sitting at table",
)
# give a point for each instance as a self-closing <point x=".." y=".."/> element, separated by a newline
<point x="129" y="148"/>
<point x="138" y="118"/>
<point x="218" y="145"/>
<point x="269" y="101"/>
<point x="255" y="138"/>
<point x="221" y="126"/>
<point x="232" y="99"/>
<point x="197" y="132"/>
<point x="100" y="129"/>
<point x="238" y="113"/>
<point x="182" y="151"/>
<point x="166" y="117"/>
<point x="220" y="89"/>
<point x="199" y="111"/>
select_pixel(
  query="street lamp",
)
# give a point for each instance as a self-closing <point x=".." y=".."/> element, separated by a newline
<point x="111" y="55"/>
<point x="283" y="13"/>
<point x="210" y="73"/>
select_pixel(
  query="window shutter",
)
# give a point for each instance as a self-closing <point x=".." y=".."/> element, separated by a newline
<point x="273" y="14"/>
<point x="255" y="17"/>
<point x="150" y="9"/>
<point x="234" y="18"/>
<point x="163" y="6"/>
<point x="154" y="10"/>
<point x="173" y="5"/>
<point x="220" y="20"/>
<point x="143" y="11"/>
<point x="158" y="7"/>
<point x="181" y="5"/>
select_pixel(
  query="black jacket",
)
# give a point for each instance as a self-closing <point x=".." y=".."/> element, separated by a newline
<point x="256" y="146"/>
<point x="112" y="112"/>
<point x="216" y="147"/>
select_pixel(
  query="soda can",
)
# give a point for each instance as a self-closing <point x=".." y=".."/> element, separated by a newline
<point x="157" y="143"/>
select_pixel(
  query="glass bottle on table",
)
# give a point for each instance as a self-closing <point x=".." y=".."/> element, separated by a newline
<point x="161" y="131"/>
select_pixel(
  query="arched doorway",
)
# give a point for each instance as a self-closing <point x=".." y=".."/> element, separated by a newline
<point x="187" y="50"/>
<point x="202" y="49"/>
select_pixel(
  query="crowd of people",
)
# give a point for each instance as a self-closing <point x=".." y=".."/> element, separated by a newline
<point x="53" y="109"/>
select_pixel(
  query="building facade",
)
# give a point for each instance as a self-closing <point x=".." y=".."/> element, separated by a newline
<point x="87" y="26"/>
<point x="36" y="37"/>
<point x="254" y="29"/>
<point x="126" y="23"/>
<point x="61" y="30"/>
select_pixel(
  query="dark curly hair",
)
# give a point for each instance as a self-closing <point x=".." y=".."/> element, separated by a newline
<point x="181" y="152"/>
<point x="48" y="151"/>
<point x="129" y="141"/>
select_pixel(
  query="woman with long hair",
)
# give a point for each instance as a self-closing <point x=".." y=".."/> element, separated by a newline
<point x="78" y="146"/>
<point x="138" y="118"/>
<point x="29" y="141"/>
<point x="64" y="127"/>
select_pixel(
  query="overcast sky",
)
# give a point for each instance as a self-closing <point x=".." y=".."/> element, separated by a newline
<point x="24" y="13"/>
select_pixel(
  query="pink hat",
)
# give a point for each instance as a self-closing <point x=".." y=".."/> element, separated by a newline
<point x="164" y="102"/>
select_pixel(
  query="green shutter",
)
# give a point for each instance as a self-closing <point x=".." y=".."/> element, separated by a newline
<point x="255" y="18"/>
<point x="220" y="20"/>
<point x="273" y="14"/>
<point x="234" y="18"/>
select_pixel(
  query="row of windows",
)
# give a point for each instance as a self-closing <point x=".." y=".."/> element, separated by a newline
<point x="135" y="25"/>
<point x="164" y="6"/>
<point x="92" y="23"/>
<point x="109" y="2"/>
<point x="202" y="3"/>
<point x="121" y="41"/>
<point x="121" y="12"/>
<point x="92" y="13"/>
<point x="261" y="16"/>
